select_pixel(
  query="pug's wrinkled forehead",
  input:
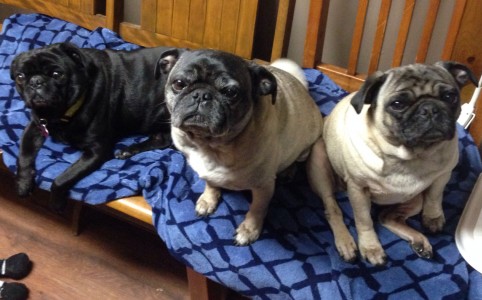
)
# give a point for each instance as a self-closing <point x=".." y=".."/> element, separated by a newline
<point x="420" y="79"/>
<point x="211" y="65"/>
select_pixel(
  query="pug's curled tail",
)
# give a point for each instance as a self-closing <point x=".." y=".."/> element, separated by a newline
<point x="292" y="68"/>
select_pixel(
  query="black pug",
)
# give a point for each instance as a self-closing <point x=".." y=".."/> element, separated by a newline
<point x="89" y="99"/>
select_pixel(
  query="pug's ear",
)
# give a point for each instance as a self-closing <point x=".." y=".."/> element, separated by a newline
<point x="461" y="73"/>
<point x="263" y="81"/>
<point x="167" y="60"/>
<point x="368" y="91"/>
<point x="74" y="53"/>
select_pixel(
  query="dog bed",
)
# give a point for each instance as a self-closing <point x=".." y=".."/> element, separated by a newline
<point x="295" y="256"/>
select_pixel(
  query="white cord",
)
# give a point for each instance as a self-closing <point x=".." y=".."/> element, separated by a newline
<point x="467" y="114"/>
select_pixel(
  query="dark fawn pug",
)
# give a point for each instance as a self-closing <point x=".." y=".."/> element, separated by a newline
<point x="239" y="124"/>
<point x="394" y="143"/>
<point x="89" y="99"/>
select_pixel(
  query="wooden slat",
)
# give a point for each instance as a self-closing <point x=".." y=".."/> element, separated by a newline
<point x="357" y="36"/>
<point x="148" y="19"/>
<point x="246" y="25"/>
<point x="88" y="6"/>
<point x="229" y="25"/>
<point x="315" y="33"/>
<point x="427" y="31"/>
<point x="201" y="288"/>
<point x="283" y="28"/>
<point x="338" y="74"/>
<point x="379" y="35"/>
<point x="75" y="4"/>
<point x="180" y="19"/>
<point x="165" y="9"/>
<point x="63" y="2"/>
<point x="198" y="285"/>
<point x="197" y="21"/>
<point x="403" y="33"/>
<point x="213" y="23"/>
<point x="454" y="27"/>
<point x="135" y="207"/>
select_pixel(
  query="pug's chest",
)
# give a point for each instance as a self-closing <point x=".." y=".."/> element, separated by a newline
<point x="232" y="174"/>
<point x="395" y="189"/>
<point x="402" y="183"/>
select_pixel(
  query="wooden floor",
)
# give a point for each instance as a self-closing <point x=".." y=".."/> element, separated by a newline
<point x="110" y="259"/>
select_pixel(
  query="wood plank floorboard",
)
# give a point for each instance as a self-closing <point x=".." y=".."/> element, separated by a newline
<point x="110" y="259"/>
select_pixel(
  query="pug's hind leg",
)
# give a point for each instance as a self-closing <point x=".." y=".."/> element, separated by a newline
<point x="208" y="201"/>
<point x="394" y="217"/>
<point x="250" y="229"/>
<point x="322" y="182"/>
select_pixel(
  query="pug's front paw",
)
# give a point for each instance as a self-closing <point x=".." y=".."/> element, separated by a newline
<point x="207" y="203"/>
<point x="247" y="233"/>
<point x="434" y="225"/>
<point x="24" y="186"/>
<point x="124" y="154"/>
<point x="346" y="247"/>
<point x="371" y="249"/>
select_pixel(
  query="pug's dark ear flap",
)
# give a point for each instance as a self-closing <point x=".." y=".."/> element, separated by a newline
<point x="461" y="73"/>
<point x="264" y="82"/>
<point x="368" y="91"/>
<point x="167" y="60"/>
<point x="73" y="52"/>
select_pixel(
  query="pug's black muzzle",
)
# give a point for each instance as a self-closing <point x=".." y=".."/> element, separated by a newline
<point x="36" y="93"/>
<point x="430" y="122"/>
<point x="200" y="111"/>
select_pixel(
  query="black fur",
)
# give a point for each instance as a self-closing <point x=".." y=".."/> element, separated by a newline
<point x="368" y="91"/>
<point x="117" y="94"/>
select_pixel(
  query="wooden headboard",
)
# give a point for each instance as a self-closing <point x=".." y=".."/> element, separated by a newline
<point x="462" y="41"/>
<point x="229" y="25"/>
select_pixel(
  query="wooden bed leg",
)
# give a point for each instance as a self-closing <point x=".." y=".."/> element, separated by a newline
<point x="201" y="288"/>
<point x="77" y="210"/>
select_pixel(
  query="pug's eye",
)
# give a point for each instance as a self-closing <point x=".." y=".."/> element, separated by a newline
<point x="230" y="92"/>
<point x="178" y="85"/>
<point x="398" y="105"/>
<point x="20" y="78"/>
<point x="57" y="75"/>
<point x="450" y="97"/>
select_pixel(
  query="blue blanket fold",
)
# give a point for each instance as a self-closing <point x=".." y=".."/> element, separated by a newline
<point x="295" y="256"/>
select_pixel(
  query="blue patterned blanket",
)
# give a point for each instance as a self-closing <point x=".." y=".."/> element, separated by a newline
<point x="295" y="256"/>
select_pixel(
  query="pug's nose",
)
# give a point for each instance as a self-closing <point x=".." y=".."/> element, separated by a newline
<point x="202" y="96"/>
<point x="429" y="110"/>
<point x="36" y="82"/>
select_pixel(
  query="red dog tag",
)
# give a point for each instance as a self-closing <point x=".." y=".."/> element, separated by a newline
<point x="42" y="126"/>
